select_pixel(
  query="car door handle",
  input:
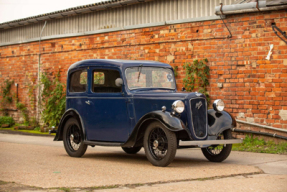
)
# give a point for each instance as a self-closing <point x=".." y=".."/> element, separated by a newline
<point x="88" y="102"/>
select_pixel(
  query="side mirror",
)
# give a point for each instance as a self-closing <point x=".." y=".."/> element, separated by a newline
<point x="183" y="89"/>
<point x="119" y="82"/>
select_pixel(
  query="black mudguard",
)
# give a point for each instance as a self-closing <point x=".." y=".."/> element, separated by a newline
<point x="171" y="122"/>
<point x="219" y="121"/>
<point x="68" y="114"/>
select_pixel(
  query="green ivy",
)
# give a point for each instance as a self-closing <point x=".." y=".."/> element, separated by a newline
<point x="6" y="95"/>
<point x="6" y="91"/>
<point x="53" y="99"/>
<point x="197" y="77"/>
<point x="31" y="90"/>
<point x="24" y="112"/>
<point x="175" y="69"/>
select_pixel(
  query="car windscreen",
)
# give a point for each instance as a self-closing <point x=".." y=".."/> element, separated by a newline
<point x="149" y="77"/>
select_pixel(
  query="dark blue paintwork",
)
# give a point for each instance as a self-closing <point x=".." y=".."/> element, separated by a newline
<point x="117" y="117"/>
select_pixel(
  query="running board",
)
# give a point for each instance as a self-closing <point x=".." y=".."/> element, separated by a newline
<point x="201" y="143"/>
<point x="100" y="143"/>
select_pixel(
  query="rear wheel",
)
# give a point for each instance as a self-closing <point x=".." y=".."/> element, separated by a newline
<point x="74" y="139"/>
<point x="218" y="153"/>
<point x="131" y="150"/>
<point x="160" y="144"/>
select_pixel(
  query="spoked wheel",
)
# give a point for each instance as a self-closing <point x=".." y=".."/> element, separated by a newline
<point x="218" y="153"/>
<point x="160" y="144"/>
<point x="73" y="139"/>
<point x="131" y="150"/>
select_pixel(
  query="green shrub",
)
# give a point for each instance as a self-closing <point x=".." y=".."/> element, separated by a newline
<point x="6" y="120"/>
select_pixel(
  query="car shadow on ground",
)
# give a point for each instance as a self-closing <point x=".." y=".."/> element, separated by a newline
<point x="121" y="157"/>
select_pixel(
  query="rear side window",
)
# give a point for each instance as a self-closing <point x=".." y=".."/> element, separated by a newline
<point x="78" y="81"/>
<point x="104" y="81"/>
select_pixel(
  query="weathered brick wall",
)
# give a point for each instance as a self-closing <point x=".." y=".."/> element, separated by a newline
<point x="254" y="89"/>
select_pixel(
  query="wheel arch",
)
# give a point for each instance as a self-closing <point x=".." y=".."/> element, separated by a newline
<point x="170" y="122"/>
<point x="67" y="115"/>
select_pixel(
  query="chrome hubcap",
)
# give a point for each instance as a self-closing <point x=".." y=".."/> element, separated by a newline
<point x="155" y="144"/>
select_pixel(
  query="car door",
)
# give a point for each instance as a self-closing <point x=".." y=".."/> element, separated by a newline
<point x="107" y="107"/>
<point x="77" y="92"/>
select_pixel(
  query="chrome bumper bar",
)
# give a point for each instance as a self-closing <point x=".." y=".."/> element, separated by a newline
<point x="209" y="142"/>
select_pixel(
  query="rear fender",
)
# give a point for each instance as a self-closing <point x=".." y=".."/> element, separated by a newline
<point x="219" y="122"/>
<point x="68" y="114"/>
<point x="171" y="123"/>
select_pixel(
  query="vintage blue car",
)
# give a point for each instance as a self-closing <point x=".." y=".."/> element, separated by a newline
<point x="135" y="104"/>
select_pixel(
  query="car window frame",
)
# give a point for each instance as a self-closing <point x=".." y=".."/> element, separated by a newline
<point x="149" y="88"/>
<point x="98" y="94"/>
<point x="69" y="81"/>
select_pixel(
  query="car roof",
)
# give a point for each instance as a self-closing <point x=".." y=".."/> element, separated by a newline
<point x="116" y="63"/>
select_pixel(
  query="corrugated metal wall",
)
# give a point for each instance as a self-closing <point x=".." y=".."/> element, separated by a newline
<point x="144" y="13"/>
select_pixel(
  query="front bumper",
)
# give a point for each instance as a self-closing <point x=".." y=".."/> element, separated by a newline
<point x="208" y="142"/>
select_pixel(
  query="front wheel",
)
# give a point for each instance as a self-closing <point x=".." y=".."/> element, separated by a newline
<point x="74" y="139"/>
<point x="160" y="144"/>
<point x="218" y="153"/>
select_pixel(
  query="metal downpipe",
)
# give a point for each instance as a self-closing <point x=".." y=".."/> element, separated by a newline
<point x="262" y="126"/>
<point x="39" y="71"/>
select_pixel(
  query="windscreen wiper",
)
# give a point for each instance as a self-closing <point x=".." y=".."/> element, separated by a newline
<point x="140" y="69"/>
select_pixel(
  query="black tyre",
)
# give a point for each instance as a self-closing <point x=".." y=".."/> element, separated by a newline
<point x="160" y="144"/>
<point x="218" y="153"/>
<point x="131" y="150"/>
<point x="74" y="139"/>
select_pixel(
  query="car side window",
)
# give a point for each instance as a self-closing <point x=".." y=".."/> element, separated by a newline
<point x="78" y="81"/>
<point x="104" y="81"/>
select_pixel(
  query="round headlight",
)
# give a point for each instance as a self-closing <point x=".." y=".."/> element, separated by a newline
<point x="178" y="106"/>
<point x="218" y="105"/>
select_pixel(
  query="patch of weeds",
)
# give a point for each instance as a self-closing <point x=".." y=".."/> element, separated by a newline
<point x="3" y="182"/>
<point x="106" y="187"/>
<point x="65" y="189"/>
<point x="253" y="144"/>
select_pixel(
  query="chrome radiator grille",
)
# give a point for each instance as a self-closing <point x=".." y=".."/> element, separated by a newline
<point x="198" y="108"/>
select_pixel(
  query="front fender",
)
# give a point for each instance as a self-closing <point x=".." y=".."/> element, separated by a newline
<point x="172" y="123"/>
<point x="219" y="121"/>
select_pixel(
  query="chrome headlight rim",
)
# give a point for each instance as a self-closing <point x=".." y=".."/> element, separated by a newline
<point x="218" y="105"/>
<point x="178" y="106"/>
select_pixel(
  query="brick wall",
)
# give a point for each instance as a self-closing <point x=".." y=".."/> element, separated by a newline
<point x="254" y="89"/>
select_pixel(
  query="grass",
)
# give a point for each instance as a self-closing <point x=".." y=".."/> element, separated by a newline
<point x="65" y="189"/>
<point x="252" y="144"/>
<point x="35" y="131"/>
<point x="3" y="183"/>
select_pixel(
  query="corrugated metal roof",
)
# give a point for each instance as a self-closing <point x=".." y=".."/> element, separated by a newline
<point x="70" y="11"/>
<point x="137" y="15"/>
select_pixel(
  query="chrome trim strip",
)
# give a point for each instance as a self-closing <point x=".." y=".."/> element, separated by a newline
<point x="209" y="142"/>
<point x="192" y="118"/>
